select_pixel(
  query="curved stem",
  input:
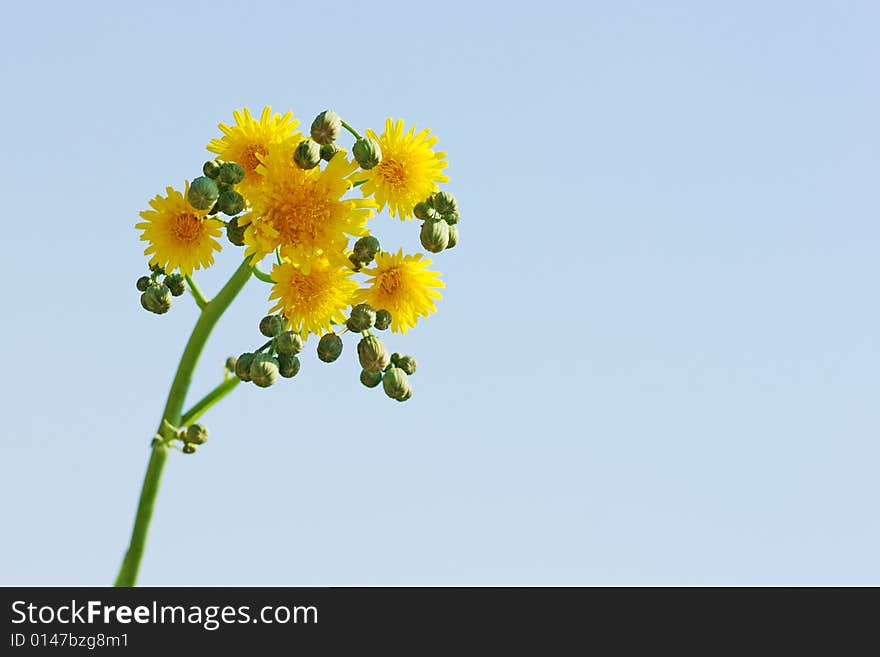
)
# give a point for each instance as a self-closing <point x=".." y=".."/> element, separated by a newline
<point x="172" y="414"/>
<point x="351" y="130"/>
<point x="208" y="401"/>
<point x="201" y="301"/>
<point x="263" y="276"/>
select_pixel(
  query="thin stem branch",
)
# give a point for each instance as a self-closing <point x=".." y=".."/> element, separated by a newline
<point x="172" y="414"/>
<point x="351" y="130"/>
<point x="263" y="276"/>
<point x="201" y="301"/>
<point x="208" y="401"/>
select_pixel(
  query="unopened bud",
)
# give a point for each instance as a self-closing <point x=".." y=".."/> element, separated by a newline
<point x="383" y="320"/>
<point x="230" y="363"/>
<point x="434" y="235"/>
<point x="230" y="202"/>
<point x="156" y="299"/>
<point x="197" y="434"/>
<point x="367" y="152"/>
<point x="307" y="154"/>
<point x="271" y="325"/>
<point x="371" y="379"/>
<point x="328" y="151"/>
<point x="372" y="354"/>
<point x="235" y="232"/>
<point x="453" y="237"/>
<point x="189" y="448"/>
<point x="288" y="365"/>
<point x="424" y="211"/>
<point x="329" y="347"/>
<point x="396" y="384"/>
<point x="451" y="218"/>
<point x="203" y="193"/>
<point x="264" y="370"/>
<point x="365" y="249"/>
<point x="231" y="173"/>
<point x="143" y="283"/>
<point x="288" y="342"/>
<point x="243" y="366"/>
<point x="326" y="127"/>
<point x="176" y="284"/>
<point x="362" y="317"/>
<point x="407" y="364"/>
<point x="444" y="202"/>
<point x="211" y="168"/>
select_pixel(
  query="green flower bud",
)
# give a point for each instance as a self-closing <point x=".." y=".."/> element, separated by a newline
<point x="288" y="365"/>
<point x="453" y="237"/>
<point x="383" y="320"/>
<point x="288" y="342"/>
<point x="326" y="127"/>
<point x="189" y="448"/>
<point x="329" y="347"/>
<point x="197" y="434"/>
<point x="367" y="152"/>
<point x="143" y="283"/>
<point x="424" y="211"/>
<point x="328" y="151"/>
<point x="211" y="168"/>
<point x="271" y="325"/>
<point x="156" y="299"/>
<point x="444" y="202"/>
<point x="396" y="384"/>
<point x="355" y="263"/>
<point x="365" y="249"/>
<point x="395" y="358"/>
<point x="451" y="218"/>
<point x="307" y="154"/>
<point x="176" y="284"/>
<point x="372" y="354"/>
<point x="230" y="202"/>
<point x="243" y="366"/>
<point x="407" y="364"/>
<point x="371" y="379"/>
<point x="235" y="232"/>
<point x="230" y="363"/>
<point x="231" y="173"/>
<point x="264" y="370"/>
<point x="203" y="193"/>
<point x="362" y="317"/>
<point x="434" y="235"/>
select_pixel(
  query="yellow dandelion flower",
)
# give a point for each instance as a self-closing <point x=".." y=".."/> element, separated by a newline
<point x="249" y="141"/>
<point x="179" y="235"/>
<point x="302" y="211"/>
<point x="312" y="298"/>
<point x="409" y="170"/>
<point x="403" y="286"/>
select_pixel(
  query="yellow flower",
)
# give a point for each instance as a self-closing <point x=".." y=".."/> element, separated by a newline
<point x="249" y="141"/>
<point x="409" y="170"/>
<point x="303" y="211"/>
<point x="179" y="235"/>
<point x="403" y="286"/>
<point x="312" y="298"/>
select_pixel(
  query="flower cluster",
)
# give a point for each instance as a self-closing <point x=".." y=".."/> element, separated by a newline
<point x="307" y="203"/>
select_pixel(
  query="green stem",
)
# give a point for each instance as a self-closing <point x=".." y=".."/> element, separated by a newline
<point x="201" y="301"/>
<point x="208" y="401"/>
<point x="351" y="130"/>
<point x="172" y="414"/>
<point x="263" y="276"/>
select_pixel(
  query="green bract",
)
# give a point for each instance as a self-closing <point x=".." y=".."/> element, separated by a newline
<point x="326" y="127"/>
<point x="372" y="354"/>
<point x="329" y="347"/>
<point x="203" y="193"/>
<point x="434" y="235"/>
<point x="367" y="152"/>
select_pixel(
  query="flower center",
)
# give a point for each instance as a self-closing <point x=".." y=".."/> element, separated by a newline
<point x="186" y="227"/>
<point x="301" y="216"/>
<point x="392" y="172"/>
<point x="390" y="280"/>
<point x="249" y="156"/>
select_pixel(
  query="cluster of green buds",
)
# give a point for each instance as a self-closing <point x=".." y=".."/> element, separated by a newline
<point x="156" y="295"/>
<point x="276" y="357"/>
<point x="377" y="366"/>
<point x="322" y="144"/>
<point x="216" y="190"/>
<point x="439" y="215"/>
<point x="190" y="437"/>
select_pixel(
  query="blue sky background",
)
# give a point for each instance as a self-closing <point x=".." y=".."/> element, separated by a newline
<point x="657" y="357"/>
